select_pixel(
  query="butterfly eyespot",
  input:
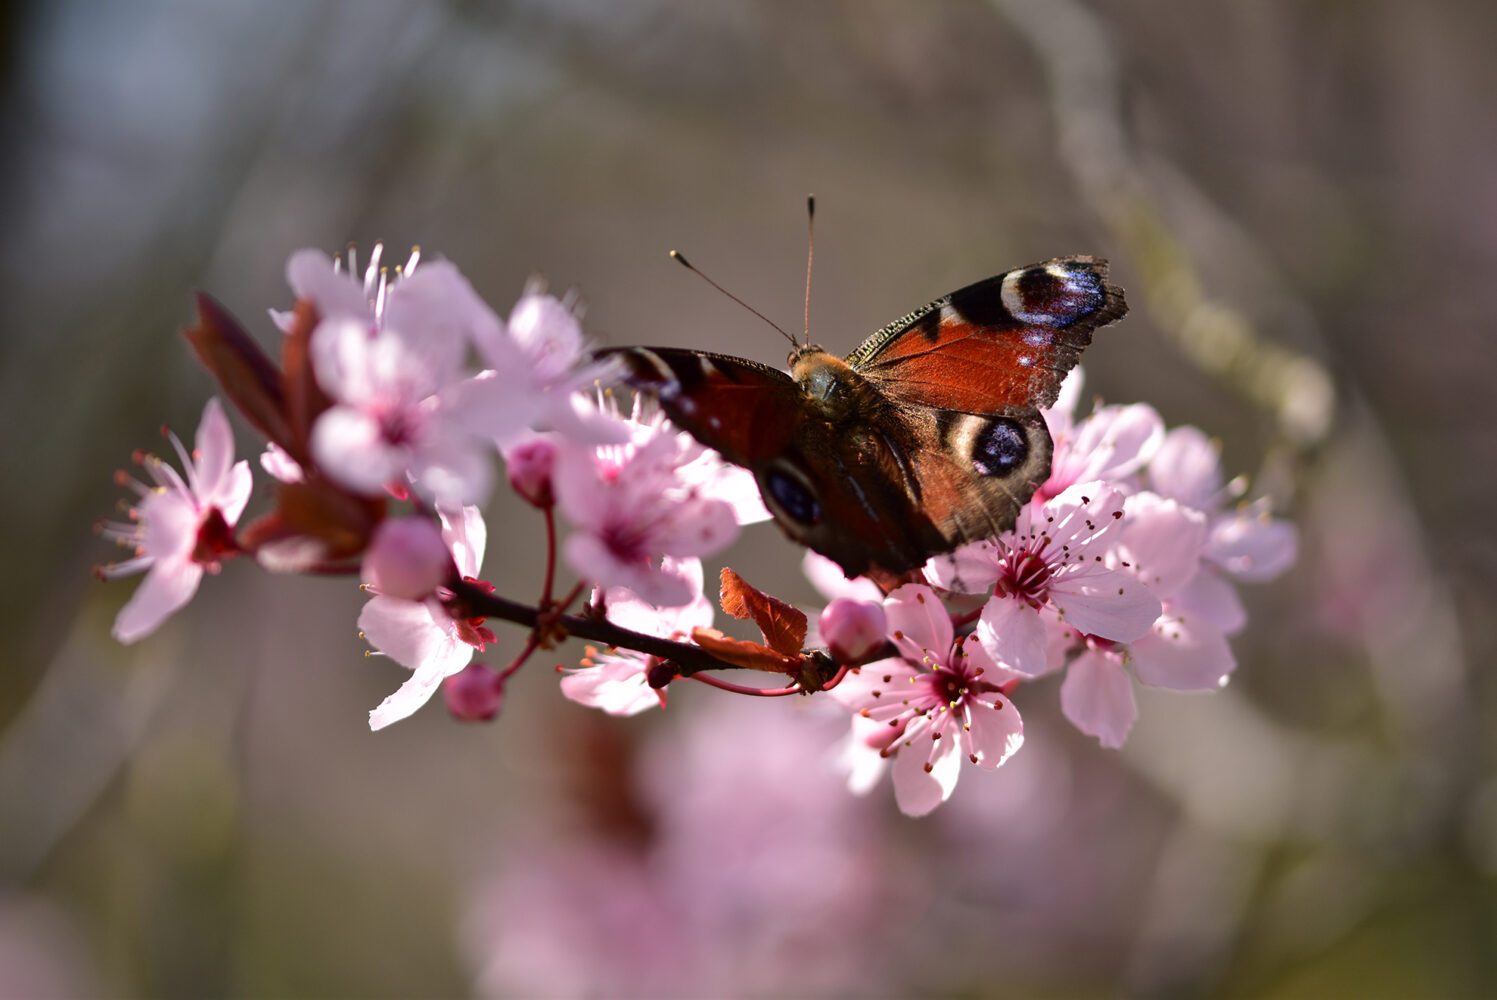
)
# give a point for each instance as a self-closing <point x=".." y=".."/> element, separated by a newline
<point x="1054" y="295"/>
<point x="793" y="497"/>
<point x="1000" y="448"/>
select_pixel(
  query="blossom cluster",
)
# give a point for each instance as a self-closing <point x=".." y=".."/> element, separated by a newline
<point x="1122" y="567"/>
<point x="393" y="395"/>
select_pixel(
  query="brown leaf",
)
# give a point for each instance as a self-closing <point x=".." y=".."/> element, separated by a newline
<point x="336" y="525"/>
<point x="247" y="376"/>
<point x="305" y="399"/>
<point x="742" y="653"/>
<point x="783" y="625"/>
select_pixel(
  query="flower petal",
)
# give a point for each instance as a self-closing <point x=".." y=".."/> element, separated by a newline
<point x="829" y="580"/>
<point x="415" y="692"/>
<point x="415" y="634"/>
<point x="311" y="275"/>
<point x="466" y="534"/>
<point x="1252" y="546"/>
<point x="1014" y="635"/>
<point x="1161" y="540"/>
<point x="1183" y="654"/>
<point x="994" y="731"/>
<point x="619" y="686"/>
<point x="349" y="446"/>
<point x="917" y="791"/>
<point x="919" y="624"/>
<point x="1097" y="697"/>
<point x="167" y="587"/>
<point x="971" y="569"/>
<point x="1187" y="467"/>
<point x="1211" y="596"/>
<point x="213" y="455"/>
<point x="1106" y="604"/>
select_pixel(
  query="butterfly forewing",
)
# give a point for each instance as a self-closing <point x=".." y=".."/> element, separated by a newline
<point x="744" y="409"/>
<point x="1000" y="346"/>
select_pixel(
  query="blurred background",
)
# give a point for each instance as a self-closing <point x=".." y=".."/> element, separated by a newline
<point x="1300" y="198"/>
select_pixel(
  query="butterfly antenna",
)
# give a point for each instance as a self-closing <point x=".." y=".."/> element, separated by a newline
<point x="810" y="256"/>
<point x="676" y="256"/>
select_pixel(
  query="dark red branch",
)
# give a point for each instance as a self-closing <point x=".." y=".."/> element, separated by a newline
<point x="689" y="659"/>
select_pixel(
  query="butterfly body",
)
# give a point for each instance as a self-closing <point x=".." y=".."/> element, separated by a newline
<point x="925" y="437"/>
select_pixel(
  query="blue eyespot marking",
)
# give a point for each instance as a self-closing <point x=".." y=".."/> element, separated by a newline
<point x="999" y="448"/>
<point x="792" y="496"/>
<point x="1055" y="295"/>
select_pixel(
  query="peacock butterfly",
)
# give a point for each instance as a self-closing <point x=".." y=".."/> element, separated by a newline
<point x="926" y="437"/>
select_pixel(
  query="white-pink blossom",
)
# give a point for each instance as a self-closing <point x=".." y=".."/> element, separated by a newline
<point x="1243" y="542"/>
<point x="389" y="354"/>
<point x="424" y="636"/>
<point x="536" y="365"/>
<point x="938" y="702"/>
<point x="1111" y="445"/>
<point x="618" y="679"/>
<point x="1160" y="543"/>
<point x="181" y="527"/>
<point x="1054" y="566"/>
<point x="634" y="503"/>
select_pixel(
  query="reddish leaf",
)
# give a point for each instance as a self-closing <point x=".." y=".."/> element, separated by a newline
<point x="247" y="376"/>
<point x="784" y="626"/>
<point x="305" y="399"/>
<point x="742" y="653"/>
<point x="337" y="525"/>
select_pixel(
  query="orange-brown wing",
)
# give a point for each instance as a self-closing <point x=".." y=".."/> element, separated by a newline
<point x="748" y="411"/>
<point x="1000" y="346"/>
<point x="843" y="490"/>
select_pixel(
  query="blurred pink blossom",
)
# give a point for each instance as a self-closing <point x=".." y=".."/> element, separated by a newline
<point x="407" y="558"/>
<point x="181" y="527"/>
<point x="423" y="635"/>
<point x="635" y="502"/>
<point x="617" y="681"/>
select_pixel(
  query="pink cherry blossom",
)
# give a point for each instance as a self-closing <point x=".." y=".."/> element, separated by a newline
<point x="1160" y="543"/>
<point x="536" y="366"/>
<point x="181" y="527"/>
<point x="1055" y="566"/>
<point x="938" y="702"/>
<point x="1243" y="541"/>
<point x="1112" y="444"/>
<point x="618" y="679"/>
<point x="424" y="635"/>
<point x="632" y="504"/>
<point x="389" y="354"/>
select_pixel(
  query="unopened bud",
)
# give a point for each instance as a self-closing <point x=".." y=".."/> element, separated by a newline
<point x="474" y="693"/>
<point x="853" y="629"/>
<point x="407" y="558"/>
<point x="529" y="465"/>
<point x="661" y="674"/>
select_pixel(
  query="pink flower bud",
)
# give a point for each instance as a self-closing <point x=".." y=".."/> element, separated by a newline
<point x="853" y="629"/>
<point x="474" y="693"/>
<point x="529" y="463"/>
<point x="407" y="558"/>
